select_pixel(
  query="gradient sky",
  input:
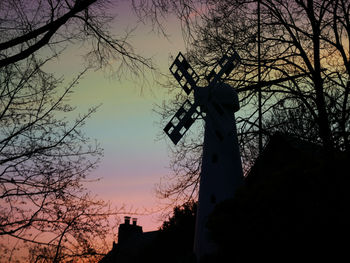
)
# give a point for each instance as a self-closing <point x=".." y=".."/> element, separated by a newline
<point x="125" y="125"/>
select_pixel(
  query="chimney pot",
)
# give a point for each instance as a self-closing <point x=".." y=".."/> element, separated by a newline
<point x="127" y="220"/>
<point x="134" y="221"/>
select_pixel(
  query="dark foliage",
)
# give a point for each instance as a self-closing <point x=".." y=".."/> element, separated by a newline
<point x="294" y="192"/>
<point x="175" y="238"/>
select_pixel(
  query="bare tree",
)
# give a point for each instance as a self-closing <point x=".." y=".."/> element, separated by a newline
<point x="28" y="26"/>
<point x="76" y="230"/>
<point x="44" y="163"/>
<point x="44" y="155"/>
<point x="309" y="39"/>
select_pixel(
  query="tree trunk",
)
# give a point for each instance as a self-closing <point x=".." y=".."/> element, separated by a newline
<point x="322" y="120"/>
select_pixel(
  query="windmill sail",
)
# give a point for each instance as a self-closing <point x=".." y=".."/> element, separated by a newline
<point x="184" y="73"/>
<point x="224" y="67"/>
<point x="182" y="121"/>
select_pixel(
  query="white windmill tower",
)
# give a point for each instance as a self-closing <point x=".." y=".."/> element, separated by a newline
<point x="221" y="171"/>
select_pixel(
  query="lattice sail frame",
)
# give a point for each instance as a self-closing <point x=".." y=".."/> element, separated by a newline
<point x="224" y="67"/>
<point x="181" y="121"/>
<point x="184" y="73"/>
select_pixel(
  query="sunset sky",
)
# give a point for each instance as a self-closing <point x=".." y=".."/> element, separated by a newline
<point x="273" y="90"/>
<point x="125" y="125"/>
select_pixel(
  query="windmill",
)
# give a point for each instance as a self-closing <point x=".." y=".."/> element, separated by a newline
<point x="221" y="171"/>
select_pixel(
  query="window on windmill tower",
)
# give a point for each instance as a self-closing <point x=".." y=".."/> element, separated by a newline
<point x="214" y="158"/>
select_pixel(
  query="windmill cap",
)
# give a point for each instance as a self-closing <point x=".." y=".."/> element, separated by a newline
<point x="226" y="95"/>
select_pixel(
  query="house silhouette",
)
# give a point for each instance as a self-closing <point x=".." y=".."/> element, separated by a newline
<point x="132" y="243"/>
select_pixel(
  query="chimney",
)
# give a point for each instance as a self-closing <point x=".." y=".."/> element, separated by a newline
<point x="128" y="230"/>
<point x="127" y="220"/>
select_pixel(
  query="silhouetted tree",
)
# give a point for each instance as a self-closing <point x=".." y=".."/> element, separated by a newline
<point x="298" y="38"/>
<point x="44" y="155"/>
<point x="44" y="162"/>
<point x="77" y="229"/>
<point x="289" y="195"/>
<point x="29" y="26"/>
<point x="174" y="242"/>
